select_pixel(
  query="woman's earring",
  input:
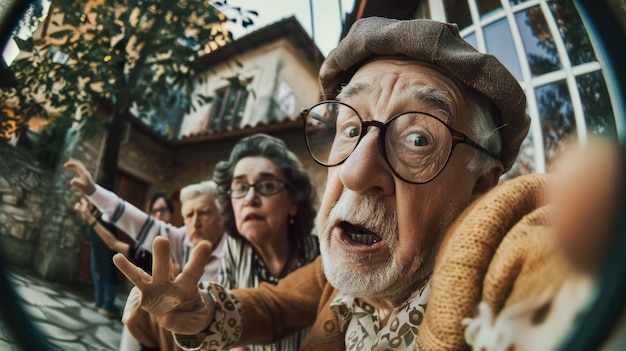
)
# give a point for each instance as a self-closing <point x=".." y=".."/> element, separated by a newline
<point x="291" y="219"/>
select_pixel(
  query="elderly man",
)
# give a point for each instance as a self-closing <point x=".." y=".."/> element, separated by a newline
<point x="198" y="209"/>
<point x="421" y="125"/>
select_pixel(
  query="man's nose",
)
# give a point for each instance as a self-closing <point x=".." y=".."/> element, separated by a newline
<point x="195" y="220"/>
<point x="366" y="169"/>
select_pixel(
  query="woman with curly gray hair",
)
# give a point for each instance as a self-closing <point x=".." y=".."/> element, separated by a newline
<point x="266" y="202"/>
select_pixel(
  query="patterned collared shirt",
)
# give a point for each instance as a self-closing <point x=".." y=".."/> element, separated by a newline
<point x="362" y="322"/>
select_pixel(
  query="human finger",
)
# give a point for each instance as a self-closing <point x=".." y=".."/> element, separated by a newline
<point x="173" y="269"/>
<point x="82" y="205"/>
<point x="70" y="165"/>
<point x="160" y="260"/>
<point x="136" y="275"/>
<point x="194" y="269"/>
<point x="132" y="305"/>
<point x="584" y="219"/>
<point x="75" y="166"/>
<point x="82" y="179"/>
<point x="84" y="202"/>
<point x="80" y="210"/>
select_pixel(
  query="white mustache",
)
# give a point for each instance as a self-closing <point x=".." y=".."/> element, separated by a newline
<point x="365" y="210"/>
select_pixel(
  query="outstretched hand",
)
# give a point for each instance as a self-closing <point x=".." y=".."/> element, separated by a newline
<point x="82" y="180"/>
<point x="83" y="208"/>
<point x="587" y="195"/>
<point x="176" y="303"/>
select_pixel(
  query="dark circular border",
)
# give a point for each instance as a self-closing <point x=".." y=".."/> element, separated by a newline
<point x="603" y="311"/>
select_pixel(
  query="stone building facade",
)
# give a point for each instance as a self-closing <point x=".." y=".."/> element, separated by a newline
<point x="38" y="227"/>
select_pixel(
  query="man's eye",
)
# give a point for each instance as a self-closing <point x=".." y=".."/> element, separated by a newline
<point x="350" y="131"/>
<point x="419" y="139"/>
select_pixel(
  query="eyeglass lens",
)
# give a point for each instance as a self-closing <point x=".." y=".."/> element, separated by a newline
<point x="417" y="146"/>
<point x="264" y="187"/>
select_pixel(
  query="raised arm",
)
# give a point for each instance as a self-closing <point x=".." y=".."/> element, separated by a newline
<point x="130" y="219"/>
<point x="82" y="180"/>
<point x="83" y="209"/>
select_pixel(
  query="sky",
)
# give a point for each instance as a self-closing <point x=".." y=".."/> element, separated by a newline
<point x="326" y="14"/>
<point x="327" y="21"/>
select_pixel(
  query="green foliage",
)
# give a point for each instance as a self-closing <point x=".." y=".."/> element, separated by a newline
<point x="52" y="140"/>
<point x="136" y="53"/>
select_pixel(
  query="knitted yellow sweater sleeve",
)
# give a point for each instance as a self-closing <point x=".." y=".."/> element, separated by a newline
<point x="495" y="252"/>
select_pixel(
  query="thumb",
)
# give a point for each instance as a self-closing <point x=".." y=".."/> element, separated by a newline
<point x="131" y="308"/>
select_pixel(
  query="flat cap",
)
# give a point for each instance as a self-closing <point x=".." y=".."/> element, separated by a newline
<point x="440" y="44"/>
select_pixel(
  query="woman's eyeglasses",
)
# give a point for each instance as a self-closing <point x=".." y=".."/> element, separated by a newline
<point x="159" y="210"/>
<point x="266" y="187"/>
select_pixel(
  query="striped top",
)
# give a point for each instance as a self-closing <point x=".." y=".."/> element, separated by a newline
<point x="242" y="267"/>
<point x="144" y="228"/>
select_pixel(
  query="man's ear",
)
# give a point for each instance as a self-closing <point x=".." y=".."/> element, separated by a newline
<point x="488" y="180"/>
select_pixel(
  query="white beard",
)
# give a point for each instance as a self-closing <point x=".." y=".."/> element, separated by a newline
<point x="370" y="281"/>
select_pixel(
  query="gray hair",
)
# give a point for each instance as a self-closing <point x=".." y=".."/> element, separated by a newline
<point x="484" y="132"/>
<point x="194" y="190"/>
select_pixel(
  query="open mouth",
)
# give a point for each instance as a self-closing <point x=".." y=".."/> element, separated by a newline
<point x="252" y="217"/>
<point x="359" y="234"/>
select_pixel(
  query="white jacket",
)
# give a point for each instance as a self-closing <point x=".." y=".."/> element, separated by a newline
<point x="144" y="228"/>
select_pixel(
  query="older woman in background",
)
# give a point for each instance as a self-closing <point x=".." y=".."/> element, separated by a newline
<point x="266" y="200"/>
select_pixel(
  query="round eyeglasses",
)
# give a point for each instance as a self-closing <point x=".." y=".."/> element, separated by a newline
<point x="264" y="187"/>
<point x="416" y="145"/>
<point x="155" y="211"/>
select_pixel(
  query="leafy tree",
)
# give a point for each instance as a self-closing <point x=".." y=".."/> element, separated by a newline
<point x="134" y="54"/>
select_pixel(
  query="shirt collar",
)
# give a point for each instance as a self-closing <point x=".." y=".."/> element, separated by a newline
<point x="218" y="250"/>
<point x="344" y="305"/>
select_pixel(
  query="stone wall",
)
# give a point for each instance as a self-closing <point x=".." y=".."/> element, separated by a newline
<point x="38" y="227"/>
<point x="22" y="204"/>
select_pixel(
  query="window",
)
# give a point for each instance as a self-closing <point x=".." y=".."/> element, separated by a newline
<point x="458" y="12"/>
<point x="228" y="107"/>
<point x="546" y="47"/>
<point x="499" y="42"/>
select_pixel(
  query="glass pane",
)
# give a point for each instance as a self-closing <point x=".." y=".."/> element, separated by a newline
<point x="241" y="104"/>
<point x="599" y="116"/>
<point x="499" y="43"/>
<point x="487" y="6"/>
<point x="471" y="38"/>
<point x="216" y="110"/>
<point x="229" y="109"/>
<point x="516" y="2"/>
<point x="423" y="10"/>
<point x="538" y="42"/>
<point x="572" y="30"/>
<point x="557" y="116"/>
<point x="457" y="11"/>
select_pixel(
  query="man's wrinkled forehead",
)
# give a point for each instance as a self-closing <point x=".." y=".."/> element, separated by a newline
<point x="401" y="58"/>
<point x="424" y="92"/>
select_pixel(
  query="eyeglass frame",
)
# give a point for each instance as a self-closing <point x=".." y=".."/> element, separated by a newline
<point x="159" y="210"/>
<point x="457" y="137"/>
<point x="283" y="185"/>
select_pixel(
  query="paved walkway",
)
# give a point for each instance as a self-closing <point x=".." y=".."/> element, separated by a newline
<point x="64" y="313"/>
